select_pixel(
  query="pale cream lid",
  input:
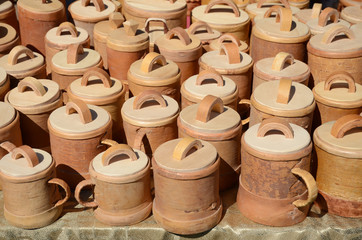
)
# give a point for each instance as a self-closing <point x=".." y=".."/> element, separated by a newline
<point x="5" y="6"/>
<point x="220" y="15"/>
<point x="315" y="28"/>
<point x="66" y="38"/>
<point x="120" y="37"/>
<point x="157" y="5"/>
<point x="87" y="59"/>
<point x="3" y="76"/>
<point x="37" y="6"/>
<point x="270" y="27"/>
<point x="352" y="14"/>
<point x="176" y="44"/>
<point x="7" y="33"/>
<point x="90" y="11"/>
<point x="7" y="114"/>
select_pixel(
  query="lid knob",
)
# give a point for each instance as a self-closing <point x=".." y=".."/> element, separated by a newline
<point x="326" y="14"/>
<point x="283" y="16"/>
<point x="26" y="152"/>
<point x="184" y="147"/>
<point x="208" y="105"/>
<point x="181" y="34"/>
<point x="81" y="108"/>
<point x="33" y="84"/>
<point x="275" y="123"/>
<point x="280" y="60"/>
<point x="199" y="25"/>
<point x="130" y="27"/>
<point x="98" y="4"/>
<point x="229" y="3"/>
<point x="67" y="26"/>
<point x="261" y="3"/>
<point x="232" y="52"/>
<point x="117" y="150"/>
<point x="340" y="75"/>
<point x="226" y="37"/>
<point x="149" y="20"/>
<point x="150" y="60"/>
<point x="317" y="7"/>
<point x="148" y="95"/>
<point x="210" y="74"/>
<point x="73" y="53"/>
<point x="116" y="20"/>
<point x="15" y="53"/>
<point x="331" y="33"/>
<point x="284" y="89"/>
<point x="8" y="146"/>
<point x="97" y="72"/>
<point x="345" y="124"/>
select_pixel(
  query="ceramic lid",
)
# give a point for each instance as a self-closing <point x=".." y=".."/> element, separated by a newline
<point x="41" y="6"/>
<point x="32" y="92"/>
<point x="7" y="114"/>
<point x="210" y="116"/>
<point x="185" y="155"/>
<point x="3" y="76"/>
<point x="328" y="18"/>
<point x="357" y="28"/>
<point x="66" y="33"/>
<point x="277" y="136"/>
<point x="162" y="6"/>
<point x="203" y="31"/>
<point x="5" y="6"/>
<point x="261" y="7"/>
<point x="7" y="33"/>
<point x="283" y="95"/>
<point x="341" y="137"/>
<point x="96" y="84"/>
<point x="104" y="28"/>
<point x="98" y="10"/>
<point x="120" y="161"/>
<point x="227" y="38"/>
<point x="149" y="108"/>
<point x="352" y="14"/>
<point x="155" y="31"/>
<point x="25" y="161"/>
<point x="182" y="42"/>
<point x="306" y="14"/>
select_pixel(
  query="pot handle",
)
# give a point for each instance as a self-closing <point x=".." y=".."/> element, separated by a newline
<point x="130" y="27"/>
<point x="209" y="74"/>
<point x="149" y="20"/>
<point x="197" y="25"/>
<point x="283" y="16"/>
<point x="109" y="142"/>
<point x="275" y="123"/>
<point x="285" y="85"/>
<point x="184" y="146"/>
<point x="246" y="102"/>
<point x="16" y="52"/>
<point x="228" y="36"/>
<point x="26" y="152"/>
<point x="32" y="83"/>
<point x="68" y="27"/>
<point x="280" y="60"/>
<point x="180" y="33"/>
<point x="149" y="61"/>
<point x="98" y="72"/>
<point x="311" y="187"/>
<point x="73" y="52"/>
<point x="331" y="33"/>
<point x="207" y="105"/>
<point x="346" y="123"/>
<point x="98" y="4"/>
<point x="284" y="2"/>
<point x="147" y="96"/>
<point x="78" y="190"/>
<point x="232" y="52"/>
<point x="117" y="150"/>
<point x="115" y="20"/>
<point x="230" y="3"/>
<point x="63" y="185"/>
<point x="340" y="75"/>
<point x="8" y="146"/>
<point x="328" y="13"/>
<point x="81" y="108"/>
<point x="317" y="7"/>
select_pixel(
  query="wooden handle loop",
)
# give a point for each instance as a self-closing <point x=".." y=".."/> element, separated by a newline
<point x="199" y="25"/>
<point x="341" y="75"/>
<point x="8" y="146"/>
<point x="26" y="152"/>
<point x="149" y="20"/>
<point x="98" y="4"/>
<point x="117" y="150"/>
<point x="109" y="142"/>
<point x="228" y="37"/>
<point x="210" y="74"/>
<point x="15" y="53"/>
<point x="285" y="86"/>
<point x="246" y="102"/>
<point x="100" y="74"/>
<point x="130" y="27"/>
<point x="326" y="14"/>
<point x="311" y="187"/>
<point x="181" y="34"/>
<point x="208" y="105"/>
<point x="346" y="123"/>
<point x="280" y="60"/>
<point x="63" y="185"/>
<point x="79" y="189"/>
<point x="73" y="52"/>
<point x="81" y="108"/>
<point x="33" y="84"/>
<point x="115" y="20"/>
<point x="284" y="2"/>
<point x="331" y="33"/>
<point x="67" y="26"/>
<point x="283" y="16"/>
<point x="229" y="3"/>
<point x="275" y="123"/>
<point x="150" y="60"/>
<point x="149" y="95"/>
<point x="316" y="10"/>
<point x="232" y="52"/>
<point x="184" y="146"/>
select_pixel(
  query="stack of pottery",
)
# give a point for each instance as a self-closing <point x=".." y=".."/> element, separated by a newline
<point x="305" y="15"/>
<point x="203" y="32"/>
<point x="155" y="31"/>
<point x="9" y="38"/>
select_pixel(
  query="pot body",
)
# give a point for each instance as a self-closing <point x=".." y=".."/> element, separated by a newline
<point x="11" y="133"/>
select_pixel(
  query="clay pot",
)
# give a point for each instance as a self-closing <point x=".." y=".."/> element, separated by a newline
<point x="86" y="15"/>
<point x="8" y="14"/>
<point x="31" y="196"/>
<point x="61" y="37"/>
<point x="352" y="14"/>
<point x="120" y="177"/>
<point x="154" y="72"/>
<point x="41" y="16"/>
<point x="304" y="15"/>
<point x="75" y="139"/>
<point x="4" y="84"/>
<point x="155" y="31"/>
<point x="9" y="38"/>
<point x="35" y="107"/>
<point x="228" y="38"/>
<point x="283" y="65"/>
<point x="339" y="150"/>
<point x="223" y="130"/>
<point x="276" y="187"/>
<point x="204" y="33"/>
<point x="147" y="125"/>
<point x="187" y="197"/>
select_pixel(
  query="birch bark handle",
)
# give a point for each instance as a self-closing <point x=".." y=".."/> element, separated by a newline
<point x="311" y="187"/>
<point x="317" y="7"/>
<point x="342" y="75"/>
<point x="33" y="84"/>
<point x="26" y="152"/>
<point x="73" y="52"/>
<point x="79" y="189"/>
<point x="109" y="142"/>
<point x="81" y="108"/>
<point x="148" y="95"/>
<point x="209" y="74"/>
<point x="275" y="123"/>
<point x="149" y="61"/>
<point x="184" y="146"/>
<point x="67" y="26"/>
<point x="97" y="72"/>
<point x="8" y="146"/>
<point x="246" y="102"/>
<point x="283" y="16"/>
<point x="149" y="20"/>
<point x="181" y="34"/>
<point x="116" y="150"/>
<point x="232" y="52"/>
<point x="229" y="3"/>
<point x="280" y="60"/>
<point x="346" y="123"/>
<point x="16" y="52"/>
<point x="199" y="25"/>
<point x="228" y="37"/>
<point x="63" y="185"/>
<point x="284" y="2"/>
<point x="98" y="4"/>
<point x="208" y="105"/>
<point x="331" y="33"/>
<point x="326" y="14"/>
<point x="285" y="85"/>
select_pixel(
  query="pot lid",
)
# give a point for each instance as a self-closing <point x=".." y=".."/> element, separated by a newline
<point x="203" y="31"/>
<point x="96" y="84"/>
<point x="357" y="28"/>
<point x="341" y="137"/>
<point x="229" y="38"/>
<point x="7" y="114"/>
<point x="66" y="33"/>
<point x="95" y="12"/>
<point x="185" y="155"/>
<point x="210" y="116"/>
<point x="119" y="161"/>
<point x="304" y="15"/>
<point x="3" y="76"/>
<point x="149" y="108"/>
<point x="277" y="136"/>
<point x="41" y="6"/>
<point x="7" y="33"/>
<point x="157" y="5"/>
<point x="21" y="59"/>
<point x="262" y="6"/>
<point x="210" y="82"/>
<point x="352" y="14"/>
<point x="5" y="6"/>
<point x="177" y="39"/>
<point x="328" y="18"/>
<point x="217" y="14"/>
<point x="155" y="31"/>
<point x="283" y="95"/>
<point x="78" y="118"/>
<point x="104" y="28"/>
<point x="25" y="161"/>
<point x="32" y="92"/>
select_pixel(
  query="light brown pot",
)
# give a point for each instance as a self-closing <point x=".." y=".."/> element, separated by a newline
<point x="9" y="38"/>
<point x="8" y="15"/>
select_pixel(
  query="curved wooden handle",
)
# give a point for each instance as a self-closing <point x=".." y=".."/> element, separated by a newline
<point x="33" y="84"/>
<point x="79" y="189"/>
<point x="326" y="14"/>
<point x="116" y="150"/>
<point x="341" y="75"/>
<point x="346" y="123"/>
<point x="231" y="51"/>
<point x="73" y="52"/>
<point x="283" y="16"/>
<point x="149" y="20"/>
<point x="311" y="186"/>
<point x="63" y="185"/>
<point x="210" y="74"/>
<point x="26" y="152"/>
<point x="184" y="146"/>
<point x="317" y="7"/>
<point x="331" y="33"/>
<point x="180" y="33"/>
<point x="149" y="95"/>
<point x="207" y="105"/>
<point x="284" y="88"/>
<point x="115" y="20"/>
<point x="8" y="146"/>
<point x="81" y="108"/>
<point x="98" y="4"/>
<point x="16" y="52"/>
<point x="199" y="25"/>
<point x="280" y="60"/>
<point x="230" y="3"/>
<point x="109" y="142"/>
<point x="246" y="102"/>
<point x="97" y="72"/>
<point x="284" y="2"/>
<point x="67" y="26"/>
<point x="228" y="37"/>
<point x="149" y="61"/>
<point x="275" y="123"/>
